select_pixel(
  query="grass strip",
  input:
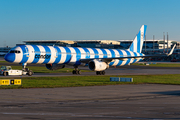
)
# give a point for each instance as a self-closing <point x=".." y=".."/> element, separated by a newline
<point x="76" y="81"/>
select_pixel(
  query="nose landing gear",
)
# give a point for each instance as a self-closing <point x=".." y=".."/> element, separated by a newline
<point x="26" y="70"/>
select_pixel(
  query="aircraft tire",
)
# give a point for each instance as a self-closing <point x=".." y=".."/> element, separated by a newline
<point x="103" y="72"/>
<point x="100" y="72"/>
<point x="76" y="72"/>
<point x="30" y="72"/>
<point x="79" y="72"/>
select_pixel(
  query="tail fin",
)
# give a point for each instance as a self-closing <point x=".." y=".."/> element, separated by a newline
<point x="137" y="43"/>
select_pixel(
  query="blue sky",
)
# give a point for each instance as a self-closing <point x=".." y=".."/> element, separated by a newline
<point x="86" y="19"/>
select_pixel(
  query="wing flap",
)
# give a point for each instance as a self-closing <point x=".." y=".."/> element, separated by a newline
<point x="124" y="58"/>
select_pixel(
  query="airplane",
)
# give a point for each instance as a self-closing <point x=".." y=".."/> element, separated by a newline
<point x="98" y="60"/>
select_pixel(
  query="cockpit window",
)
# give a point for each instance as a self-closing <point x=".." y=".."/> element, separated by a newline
<point x="15" y="51"/>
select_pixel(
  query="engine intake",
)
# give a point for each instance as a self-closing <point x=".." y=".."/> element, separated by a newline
<point x="96" y="65"/>
<point x="54" y="66"/>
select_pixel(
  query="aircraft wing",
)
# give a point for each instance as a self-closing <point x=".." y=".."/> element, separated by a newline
<point x="110" y="59"/>
<point x="124" y="58"/>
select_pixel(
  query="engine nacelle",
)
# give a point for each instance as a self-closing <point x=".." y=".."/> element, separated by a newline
<point x="54" y="66"/>
<point x="96" y="65"/>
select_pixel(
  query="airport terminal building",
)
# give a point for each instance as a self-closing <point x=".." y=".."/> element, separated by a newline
<point x="80" y="43"/>
<point x="109" y="44"/>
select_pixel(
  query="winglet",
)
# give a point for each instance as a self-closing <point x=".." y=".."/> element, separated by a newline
<point x="170" y="53"/>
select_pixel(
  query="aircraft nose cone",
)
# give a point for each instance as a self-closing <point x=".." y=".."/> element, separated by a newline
<point x="10" y="57"/>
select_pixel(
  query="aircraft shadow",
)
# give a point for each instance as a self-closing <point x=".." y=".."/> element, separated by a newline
<point x="174" y="93"/>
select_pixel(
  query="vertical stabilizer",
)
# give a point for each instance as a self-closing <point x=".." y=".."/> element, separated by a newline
<point x="137" y="43"/>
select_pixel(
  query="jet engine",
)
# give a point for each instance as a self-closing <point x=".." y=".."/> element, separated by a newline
<point x="96" y="65"/>
<point x="54" y="66"/>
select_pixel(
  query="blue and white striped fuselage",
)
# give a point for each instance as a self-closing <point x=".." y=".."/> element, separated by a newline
<point x="67" y="55"/>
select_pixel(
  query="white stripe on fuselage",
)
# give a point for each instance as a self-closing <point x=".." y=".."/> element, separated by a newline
<point x="116" y="61"/>
<point x="63" y="55"/>
<point x="18" y="57"/>
<point x="42" y="52"/>
<point x="109" y="55"/>
<point x="92" y="54"/>
<point x="82" y="52"/>
<point x="124" y="55"/>
<point x="100" y="53"/>
<point x="73" y="55"/>
<point x="132" y="59"/>
<point x="53" y="54"/>
<point x="31" y="54"/>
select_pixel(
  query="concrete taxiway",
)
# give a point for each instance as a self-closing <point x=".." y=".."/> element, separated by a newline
<point x="121" y="71"/>
<point x="145" y="101"/>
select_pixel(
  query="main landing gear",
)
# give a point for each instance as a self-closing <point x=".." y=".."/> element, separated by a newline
<point x="76" y="71"/>
<point x="26" y="70"/>
<point x="100" y="72"/>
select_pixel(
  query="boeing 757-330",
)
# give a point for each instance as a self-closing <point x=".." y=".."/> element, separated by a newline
<point x="56" y="57"/>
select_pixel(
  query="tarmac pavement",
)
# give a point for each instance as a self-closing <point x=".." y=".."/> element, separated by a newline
<point x="144" y="101"/>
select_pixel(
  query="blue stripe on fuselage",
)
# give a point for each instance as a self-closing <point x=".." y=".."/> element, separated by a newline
<point x="58" y="55"/>
<point x="78" y="56"/>
<point x="120" y="61"/>
<point x="95" y="52"/>
<point x="87" y="52"/>
<point x="128" y="54"/>
<point x="25" y="53"/>
<point x="104" y="53"/>
<point x="48" y="52"/>
<point x="37" y="53"/>
<point x="135" y="54"/>
<point x="68" y="55"/>
<point x="113" y="55"/>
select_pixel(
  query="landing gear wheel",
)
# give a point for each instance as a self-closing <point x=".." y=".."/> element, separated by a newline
<point x="79" y="72"/>
<point x="100" y="72"/>
<point x="30" y="72"/>
<point x="76" y="72"/>
<point x="103" y="72"/>
<point x="26" y="70"/>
